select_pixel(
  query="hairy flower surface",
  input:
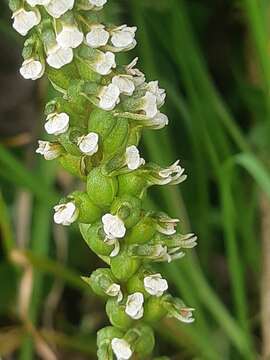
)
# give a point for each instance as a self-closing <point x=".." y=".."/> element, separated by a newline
<point x="94" y="127"/>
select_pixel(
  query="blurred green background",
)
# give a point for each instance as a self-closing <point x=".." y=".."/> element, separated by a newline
<point x="212" y="57"/>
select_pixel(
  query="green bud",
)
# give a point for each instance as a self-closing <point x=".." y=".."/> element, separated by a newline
<point x="123" y="266"/>
<point x="94" y="237"/>
<point x="154" y="310"/>
<point x="74" y="165"/>
<point x="116" y="314"/>
<point x="128" y="208"/>
<point x="132" y="184"/>
<point x="117" y="140"/>
<point x="108" y="333"/>
<point x="100" y="281"/>
<point x="88" y="212"/>
<point x="101" y="188"/>
<point x="142" y="232"/>
<point x="144" y="343"/>
<point x="69" y="140"/>
<point x="101" y="122"/>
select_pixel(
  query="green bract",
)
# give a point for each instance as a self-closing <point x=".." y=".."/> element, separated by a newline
<point x="96" y="123"/>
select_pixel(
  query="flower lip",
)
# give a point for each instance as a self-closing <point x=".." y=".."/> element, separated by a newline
<point x="88" y="144"/>
<point x="98" y="36"/>
<point x="133" y="159"/>
<point x="65" y="214"/>
<point x="69" y="37"/>
<point x="59" y="57"/>
<point x="155" y="285"/>
<point x="134" y="306"/>
<point x="57" y="8"/>
<point x="50" y="151"/>
<point x="113" y="226"/>
<point x="57" y="124"/>
<point x="24" y="20"/>
<point x="121" y="349"/>
<point x="32" y="69"/>
<point x="109" y="97"/>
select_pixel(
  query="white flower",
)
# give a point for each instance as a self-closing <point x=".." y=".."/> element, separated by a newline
<point x="123" y="36"/>
<point x="133" y="159"/>
<point x="155" y="285"/>
<point x="109" y="97"/>
<point x="124" y="84"/>
<point x="134" y="306"/>
<point x="115" y="290"/>
<point x="105" y="63"/>
<point x="57" y="8"/>
<point x="38" y="2"/>
<point x="25" y="20"/>
<point x="166" y="225"/>
<point x="160" y="94"/>
<point x="150" y="105"/>
<point x="98" y="36"/>
<point x="185" y="315"/>
<point x="65" y="214"/>
<point x="113" y="226"/>
<point x="97" y="3"/>
<point x="159" y="121"/>
<point x="57" y="124"/>
<point x="137" y="75"/>
<point x="50" y="151"/>
<point x="32" y="69"/>
<point x="69" y="37"/>
<point x="58" y="57"/>
<point x="172" y="173"/>
<point x="121" y="349"/>
<point x="88" y="144"/>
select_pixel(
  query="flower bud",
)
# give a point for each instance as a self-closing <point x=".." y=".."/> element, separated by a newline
<point x="123" y="266"/>
<point x="101" y="188"/>
<point x="117" y="315"/>
<point x="103" y="284"/>
<point x="142" y="232"/>
<point x="65" y="214"/>
<point x="95" y="239"/>
<point x="24" y="21"/>
<point x="127" y="208"/>
<point x="88" y="212"/>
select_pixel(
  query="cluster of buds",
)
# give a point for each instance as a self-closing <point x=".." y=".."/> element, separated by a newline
<point x="96" y="125"/>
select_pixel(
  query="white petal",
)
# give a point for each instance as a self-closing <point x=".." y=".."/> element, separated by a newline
<point x="124" y="84"/>
<point x="57" y="8"/>
<point x="121" y="349"/>
<point x="155" y="285"/>
<point x="133" y="159"/>
<point x="58" y="57"/>
<point x="105" y="63"/>
<point x="98" y="3"/>
<point x="150" y="105"/>
<point x="38" y="2"/>
<point x="113" y="226"/>
<point x="109" y="97"/>
<point x="123" y="36"/>
<point x="88" y="144"/>
<point x="98" y="36"/>
<point x="70" y="37"/>
<point x="25" y="20"/>
<point x="134" y="306"/>
<point x="49" y="150"/>
<point x="32" y="69"/>
<point x="65" y="214"/>
<point x="57" y="124"/>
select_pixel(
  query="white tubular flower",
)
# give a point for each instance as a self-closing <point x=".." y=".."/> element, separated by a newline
<point x="105" y="63"/>
<point x="115" y="290"/>
<point x="185" y="315"/>
<point x="134" y="306"/>
<point x="155" y="285"/>
<point x="137" y="76"/>
<point x="113" y="226"/>
<point x="124" y="84"/>
<point x="57" y="124"/>
<point x="166" y="225"/>
<point x="121" y="349"/>
<point x="133" y="159"/>
<point x="57" y="8"/>
<point x="32" y="69"/>
<point x="69" y="37"/>
<point x="65" y="214"/>
<point x="58" y="57"/>
<point x="150" y="105"/>
<point x="173" y="174"/>
<point x="160" y="94"/>
<point x="23" y="20"/>
<point x="88" y="144"/>
<point x="123" y="36"/>
<point x="109" y="97"/>
<point x="98" y="36"/>
<point x="97" y="3"/>
<point x="50" y="151"/>
<point x="37" y="2"/>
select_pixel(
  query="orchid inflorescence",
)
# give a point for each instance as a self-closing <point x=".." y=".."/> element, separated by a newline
<point x="97" y="122"/>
